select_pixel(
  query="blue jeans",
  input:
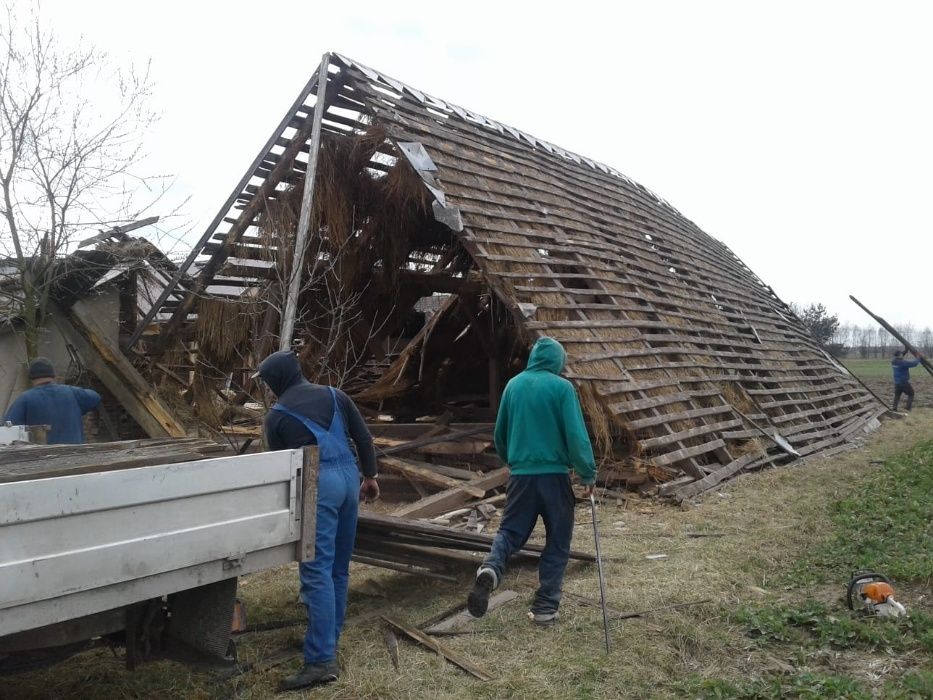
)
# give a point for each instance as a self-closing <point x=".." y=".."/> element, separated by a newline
<point x="325" y="579"/>
<point x="527" y="497"/>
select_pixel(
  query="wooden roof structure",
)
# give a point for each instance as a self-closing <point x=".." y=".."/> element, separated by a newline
<point x="685" y="360"/>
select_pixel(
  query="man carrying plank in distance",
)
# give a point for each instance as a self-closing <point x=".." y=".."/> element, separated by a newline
<point x="539" y="433"/>
<point x="901" y="368"/>
<point x="312" y="414"/>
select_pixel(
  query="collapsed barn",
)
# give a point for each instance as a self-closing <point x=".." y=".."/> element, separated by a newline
<point x="689" y="367"/>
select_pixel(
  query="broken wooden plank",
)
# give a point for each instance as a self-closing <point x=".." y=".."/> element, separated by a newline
<point x="452" y="498"/>
<point x="19" y="466"/>
<point x="436" y="646"/>
<point x="455" y="447"/>
<point x="463" y="617"/>
<point x="404" y="568"/>
<point x="391" y="645"/>
<point x="424" y="441"/>
<point x="708" y="482"/>
<point x="397" y="531"/>
<point x="116" y="372"/>
<point x="422" y="471"/>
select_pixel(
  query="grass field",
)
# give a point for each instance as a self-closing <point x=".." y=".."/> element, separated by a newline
<point x="771" y="552"/>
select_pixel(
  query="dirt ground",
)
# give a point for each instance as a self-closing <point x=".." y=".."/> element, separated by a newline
<point x="732" y="548"/>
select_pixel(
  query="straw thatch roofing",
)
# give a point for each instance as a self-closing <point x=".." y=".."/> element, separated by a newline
<point x="679" y="350"/>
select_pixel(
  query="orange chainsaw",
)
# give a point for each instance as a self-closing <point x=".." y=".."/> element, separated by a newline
<point x="876" y="594"/>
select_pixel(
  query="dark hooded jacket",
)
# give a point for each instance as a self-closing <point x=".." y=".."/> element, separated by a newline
<point x="282" y="374"/>
<point x="539" y="427"/>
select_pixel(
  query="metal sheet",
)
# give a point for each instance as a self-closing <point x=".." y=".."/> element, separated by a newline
<point x="438" y="194"/>
<point x="449" y="216"/>
<point x="415" y="153"/>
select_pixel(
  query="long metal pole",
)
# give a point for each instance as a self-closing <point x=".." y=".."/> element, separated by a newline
<point x="599" y="568"/>
<point x="304" y="220"/>
<point x="893" y="331"/>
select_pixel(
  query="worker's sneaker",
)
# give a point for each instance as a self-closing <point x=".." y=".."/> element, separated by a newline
<point x="312" y="674"/>
<point x="544" y="619"/>
<point x="478" y="600"/>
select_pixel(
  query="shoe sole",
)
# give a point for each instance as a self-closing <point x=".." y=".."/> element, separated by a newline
<point x="318" y="681"/>
<point x="478" y="600"/>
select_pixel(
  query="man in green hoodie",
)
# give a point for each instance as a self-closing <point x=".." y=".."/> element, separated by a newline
<point x="540" y="434"/>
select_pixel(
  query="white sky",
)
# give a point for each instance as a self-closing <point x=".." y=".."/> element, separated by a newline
<point x="798" y="133"/>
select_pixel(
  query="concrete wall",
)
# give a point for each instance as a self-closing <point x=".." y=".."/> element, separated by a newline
<point x="13" y="381"/>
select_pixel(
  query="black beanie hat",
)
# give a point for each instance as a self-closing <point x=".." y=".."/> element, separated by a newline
<point x="40" y="368"/>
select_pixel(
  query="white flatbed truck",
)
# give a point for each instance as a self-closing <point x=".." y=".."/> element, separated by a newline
<point x="145" y="557"/>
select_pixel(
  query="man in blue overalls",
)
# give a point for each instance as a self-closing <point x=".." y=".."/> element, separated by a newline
<point x="309" y="414"/>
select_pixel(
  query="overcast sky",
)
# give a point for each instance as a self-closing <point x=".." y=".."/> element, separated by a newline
<point x="798" y="133"/>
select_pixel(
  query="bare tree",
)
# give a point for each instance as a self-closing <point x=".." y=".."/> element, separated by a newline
<point x="71" y="130"/>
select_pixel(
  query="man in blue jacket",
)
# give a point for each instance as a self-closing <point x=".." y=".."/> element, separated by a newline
<point x="57" y="405"/>
<point x="901" y="368"/>
<point x="540" y="434"/>
<point x="312" y="414"/>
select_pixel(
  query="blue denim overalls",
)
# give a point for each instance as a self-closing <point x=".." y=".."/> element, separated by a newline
<point x="324" y="579"/>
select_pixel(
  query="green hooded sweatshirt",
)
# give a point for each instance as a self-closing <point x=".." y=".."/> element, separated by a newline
<point x="540" y="429"/>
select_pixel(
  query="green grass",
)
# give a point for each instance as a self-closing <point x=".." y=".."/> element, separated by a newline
<point x="806" y="685"/>
<point x="885" y="524"/>
<point x="872" y="368"/>
<point x="915" y="685"/>
<point x="816" y="624"/>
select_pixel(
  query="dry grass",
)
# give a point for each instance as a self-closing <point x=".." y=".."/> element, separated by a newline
<point x="756" y="528"/>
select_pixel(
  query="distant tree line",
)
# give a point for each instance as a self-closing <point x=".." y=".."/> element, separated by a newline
<point x="851" y="340"/>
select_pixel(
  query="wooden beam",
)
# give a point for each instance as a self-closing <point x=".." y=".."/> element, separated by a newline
<point x="117" y="373"/>
<point x="304" y="218"/>
<point x="309" y="471"/>
<point x="435" y="645"/>
<point x="462" y="617"/>
<point x="446" y="501"/>
<point x="420" y="471"/>
<point x="432" y="439"/>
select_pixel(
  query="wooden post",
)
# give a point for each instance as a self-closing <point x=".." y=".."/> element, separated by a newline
<point x="893" y="331"/>
<point x="304" y="220"/>
<point x="309" y="469"/>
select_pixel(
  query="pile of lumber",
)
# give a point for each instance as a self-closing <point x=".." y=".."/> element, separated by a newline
<point x="425" y="548"/>
<point x="21" y="462"/>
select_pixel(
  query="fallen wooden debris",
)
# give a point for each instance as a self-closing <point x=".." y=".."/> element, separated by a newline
<point x="455" y="447"/>
<point x="462" y="617"/>
<point x="403" y="567"/>
<point x="116" y="372"/>
<point x="436" y="646"/>
<point x="425" y="441"/>
<point x="272" y="625"/>
<point x="392" y="645"/>
<point x="492" y="500"/>
<point x="454" y="497"/>
<point x="421" y="471"/>
<point x="392" y="531"/>
<point x="44" y="461"/>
